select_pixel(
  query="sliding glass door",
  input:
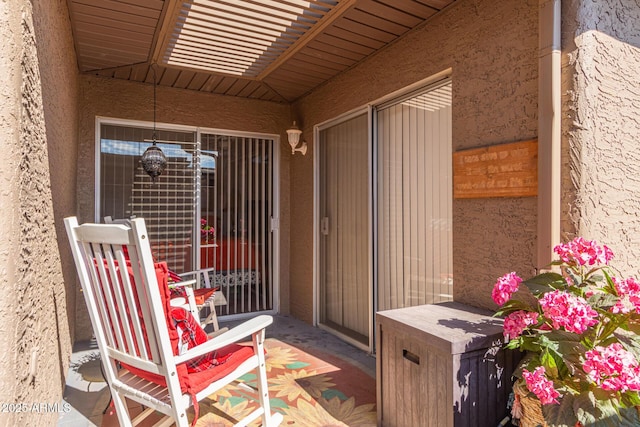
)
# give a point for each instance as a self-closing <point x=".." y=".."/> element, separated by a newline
<point x="236" y="202"/>
<point x="211" y="208"/>
<point x="384" y="210"/>
<point x="344" y="271"/>
<point x="414" y="198"/>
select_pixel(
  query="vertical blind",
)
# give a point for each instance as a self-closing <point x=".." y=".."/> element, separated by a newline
<point x="236" y="199"/>
<point x="414" y="198"/>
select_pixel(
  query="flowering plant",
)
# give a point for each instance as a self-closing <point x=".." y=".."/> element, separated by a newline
<point x="580" y="335"/>
<point x="207" y="232"/>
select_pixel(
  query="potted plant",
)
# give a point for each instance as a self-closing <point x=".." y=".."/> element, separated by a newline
<point x="207" y="232"/>
<point x="580" y="334"/>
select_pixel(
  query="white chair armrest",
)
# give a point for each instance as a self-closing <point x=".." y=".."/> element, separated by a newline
<point x="196" y="272"/>
<point x="201" y="276"/>
<point x="190" y="300"/>
<point x="231" y="336"/>
<point x="182" y="284"/>
<point x="178" y="302"/>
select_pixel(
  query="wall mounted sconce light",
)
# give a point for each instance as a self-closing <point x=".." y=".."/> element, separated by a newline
<point x="293" y="134"/>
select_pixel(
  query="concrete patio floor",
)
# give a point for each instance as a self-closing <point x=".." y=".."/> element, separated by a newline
<point x="87" y="393"/>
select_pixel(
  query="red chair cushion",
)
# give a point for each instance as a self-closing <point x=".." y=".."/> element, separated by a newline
<point x="196" y="374"/>
<point x="233" y="355"/>
<point x="161" y="271"/>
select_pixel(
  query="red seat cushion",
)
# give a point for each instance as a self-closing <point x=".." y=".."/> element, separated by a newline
<point x="194" y="375"/>
<point x="234" y="355"/>
<point x="161" y="271"/>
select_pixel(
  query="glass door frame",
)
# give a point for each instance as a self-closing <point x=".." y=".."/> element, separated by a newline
<point x="197" y="130"/>
<point x="274" y="219"/>
<point x="317" y="231"/>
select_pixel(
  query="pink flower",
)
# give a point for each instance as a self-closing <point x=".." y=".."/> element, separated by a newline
<point x="569" y="280"/>
<point x="504" y="287"/>
<point x="629" y="286"/>
<point x="629" y="293"/>
<point x="613" y="368"/>
<point x="516" y="322"/>
<point x="580" y="252"/>
<point x="568" y="311"/>
<point x="538" y="384"/>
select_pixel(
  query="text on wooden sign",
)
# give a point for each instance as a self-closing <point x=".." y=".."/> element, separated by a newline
<point x="505" y="170"/>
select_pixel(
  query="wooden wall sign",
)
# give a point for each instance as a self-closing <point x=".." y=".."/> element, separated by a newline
<point x="505" y="170"/>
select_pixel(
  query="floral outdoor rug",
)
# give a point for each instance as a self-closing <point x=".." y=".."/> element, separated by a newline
<point x="309" y="390"/>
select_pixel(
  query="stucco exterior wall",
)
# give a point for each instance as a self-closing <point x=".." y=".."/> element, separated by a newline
<point x="601" y="128"/>
<point x="39" y="121"/>
<point x="134" y="101"/>
<point x="491" y="48"/>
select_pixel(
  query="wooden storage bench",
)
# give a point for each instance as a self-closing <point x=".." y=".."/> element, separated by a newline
<point x="441" y="365"/>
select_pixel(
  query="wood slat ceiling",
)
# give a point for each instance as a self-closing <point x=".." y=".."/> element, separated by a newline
<point x="275" y="50"/>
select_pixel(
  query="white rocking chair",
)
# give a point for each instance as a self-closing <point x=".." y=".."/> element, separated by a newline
<point x="128" y="301"/>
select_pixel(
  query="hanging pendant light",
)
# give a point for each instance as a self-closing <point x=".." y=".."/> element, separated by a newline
<point x="153" y="160"/>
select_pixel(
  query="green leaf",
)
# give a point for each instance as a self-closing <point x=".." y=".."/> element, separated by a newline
<point x="530" y="344"/>
<point x="545" y="282"/>
<point x="633" y="325"/>
<point x="560" y="415"/>
<point x="513" y="344"/>
<point x="547" y="341"/>
<point x="565" y="348"/>
<point x="587" y="409"/>
<point x="630" y="341"/>
<point x="631" y="399"/>
<point x="602" y="300"/>
<point x="602" y="409"/>
<point x="511" y="306"/>
<point x="592" y="411"/>
<point x="606" y="332"/>
<point x="601" y="395"/>
<point x="593" y="278"/>
<point x="561" y="336"/>
<point x="570" y="353"/>
<point x="549" y="363"/>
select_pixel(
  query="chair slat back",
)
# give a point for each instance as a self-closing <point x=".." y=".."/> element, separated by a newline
<point x="119" y="282"/>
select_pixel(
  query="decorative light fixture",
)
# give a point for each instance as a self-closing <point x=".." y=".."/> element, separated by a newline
<point x="293" y="135"/>
<point x="153" y="160"/>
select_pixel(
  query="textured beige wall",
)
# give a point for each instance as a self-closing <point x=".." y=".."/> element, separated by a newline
<point x="134" y="101"/>
<point x="491" y="48"/>
<point x="601" y="132"/>
<point x="39" y="121"/>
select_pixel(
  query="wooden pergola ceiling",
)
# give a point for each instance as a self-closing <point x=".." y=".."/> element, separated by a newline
<point x="276" y="50"/>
